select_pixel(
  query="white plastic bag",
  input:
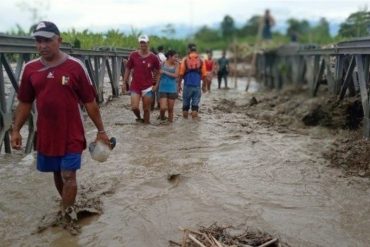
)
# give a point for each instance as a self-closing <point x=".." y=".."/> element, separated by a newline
<point x="99" y="151"/>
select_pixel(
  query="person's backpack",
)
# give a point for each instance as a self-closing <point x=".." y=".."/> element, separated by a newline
<point x="193" y="63"/>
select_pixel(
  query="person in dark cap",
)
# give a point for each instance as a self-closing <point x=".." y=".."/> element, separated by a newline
<point x="193" y="72"/>
<point x="46" y="29"/>
<point x="58" y="83"/>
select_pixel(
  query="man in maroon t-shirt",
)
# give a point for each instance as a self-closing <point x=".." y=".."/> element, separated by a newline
<point x="144" y="66"/>
<point x="58" y="83"/>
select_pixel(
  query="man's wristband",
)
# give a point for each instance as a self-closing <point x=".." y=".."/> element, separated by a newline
<point x="101" y="131"/>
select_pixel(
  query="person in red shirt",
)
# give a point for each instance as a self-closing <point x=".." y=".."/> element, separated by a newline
<point x="210" y="68"/>
<point x="144" y="66"/>
<point x="58" y="83"/>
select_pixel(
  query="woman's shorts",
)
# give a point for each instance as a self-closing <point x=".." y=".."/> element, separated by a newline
<point x="168" y="95"/>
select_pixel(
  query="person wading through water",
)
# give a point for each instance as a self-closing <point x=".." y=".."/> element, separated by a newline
<point x="144" y="66"/>
<point x="58" y="83"/>
<point x="222" y="70"/>
<point x="168" y="91"/>
<point x="193" y="71"/>
<point x="210" y="67"/>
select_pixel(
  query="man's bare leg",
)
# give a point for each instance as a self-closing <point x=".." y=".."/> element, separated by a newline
<point x="171" y="104"/>
<point x="135" y="102"/>
<point x="147" y="103"/>
<point x="163" y="108"/>
<point x="58" y="181"/>
<point x="69" y="188"/>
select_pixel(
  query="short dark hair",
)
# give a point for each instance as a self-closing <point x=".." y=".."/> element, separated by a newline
<point x="170" y="53"/>
<point x="192" y="47"/>
<point x="160" y="48"/>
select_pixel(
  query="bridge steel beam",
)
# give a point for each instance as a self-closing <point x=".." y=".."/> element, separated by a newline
<point x="343" y="69"/>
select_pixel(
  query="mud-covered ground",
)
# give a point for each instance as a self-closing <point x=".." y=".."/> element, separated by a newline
<point x="293" y="109"/>
<point x="281" y="163"/>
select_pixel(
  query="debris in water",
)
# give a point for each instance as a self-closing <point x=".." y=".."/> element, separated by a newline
<point x="253" y="101"/>
<point x="217" y="236"/>
<point x="173" y="177"/>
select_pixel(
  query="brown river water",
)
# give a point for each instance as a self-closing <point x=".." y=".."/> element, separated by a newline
<point x="232" y="170"/>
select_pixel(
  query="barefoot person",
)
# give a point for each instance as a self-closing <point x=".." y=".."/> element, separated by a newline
<point x="193" y="71"/>
<point x="58" y="83"/>
<point x="210" y="68"/>
<point x="222" y="70"/>
<point x="168" y="85"/>
<point x="162" y="58"/>
<point x="144" y="66"/>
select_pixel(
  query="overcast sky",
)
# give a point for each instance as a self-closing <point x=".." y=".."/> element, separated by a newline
<point x="101" y="15"/>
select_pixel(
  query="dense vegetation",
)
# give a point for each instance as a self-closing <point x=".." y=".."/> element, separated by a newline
<point x="227" y="34"/>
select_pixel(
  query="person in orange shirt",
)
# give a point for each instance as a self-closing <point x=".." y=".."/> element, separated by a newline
<point x="193" y="72"/>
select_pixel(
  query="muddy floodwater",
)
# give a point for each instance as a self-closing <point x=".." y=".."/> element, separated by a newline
<point x="226" y="168"/>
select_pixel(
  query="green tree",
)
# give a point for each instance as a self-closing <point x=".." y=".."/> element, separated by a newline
<point x="207" y="34"/>
<point x="112" y="37"/>
<point x="321" y="32"/>
<point x="356" y="25"/>
<point x="228" y="27"/>
<point x="298" y="28"/>
<point x="251" y="27"/>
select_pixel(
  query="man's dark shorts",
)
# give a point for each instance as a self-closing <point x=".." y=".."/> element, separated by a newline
<point x="68" y="162"/>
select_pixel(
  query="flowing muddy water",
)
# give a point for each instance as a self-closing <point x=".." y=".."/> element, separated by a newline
<point x="232" y="170"/>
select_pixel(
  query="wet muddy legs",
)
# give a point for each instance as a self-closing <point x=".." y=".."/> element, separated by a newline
<point x="66" y="184"/>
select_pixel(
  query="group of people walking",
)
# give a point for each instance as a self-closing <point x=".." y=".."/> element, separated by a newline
<point x="59" y="84"/>
<point x="163" y="76"/>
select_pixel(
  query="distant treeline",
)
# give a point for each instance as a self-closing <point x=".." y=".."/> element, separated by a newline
<point x="356" y="25"/>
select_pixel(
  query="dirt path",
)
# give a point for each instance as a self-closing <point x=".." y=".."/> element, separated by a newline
<point x="233" y="169"/>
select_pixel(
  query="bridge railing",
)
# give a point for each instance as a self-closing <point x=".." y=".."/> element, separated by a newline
<point x="343" y="69"/>
<point x="15" y="51"/>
